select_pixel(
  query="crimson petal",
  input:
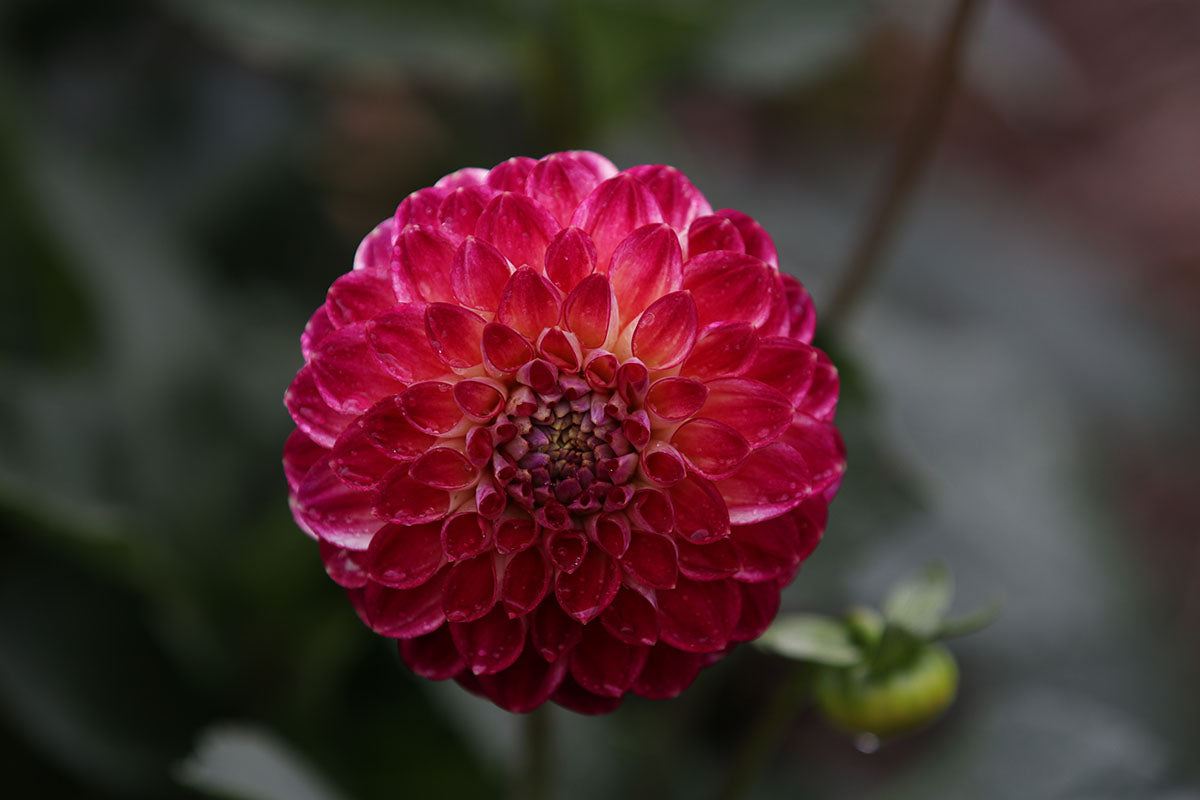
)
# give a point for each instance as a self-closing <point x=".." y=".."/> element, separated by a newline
<point x="588" y="590"/>
<point x="699" y="616"/>
<point x="480" y="272"/>
<point x="335" y="512"/>
<point x="722" y="350"/>
<point x="652" y="560"/>
<point x="526" y="581"/>
<point x="399" y="341"/>
<point x="405" y="556"/>
<point x="423" y="262"/>
<point x="666" y="332"/>
<point x="470" y="590"/>
<point x="590" y="311"/>
<point x="405" y="613"/>
<point x="760" y="604"/>
<point x="774" y="479"/>
<point x="553" y="632"/>
<point x="680" y="201"/>
<point x="490" y="643"/>
<point x="713" y="449"/>
<point x="667" y="672"/>
<point x="454" y="334"/>
<point x="605" y="665"/>
<point x="646" y="265"/>
<point x="729" y="287"/>
<point x="359" y="296"/>
<point x="570" y="257"/>
<point x="518" y="227"/>
<point x="310" y="411"/>
<point x="758" y="241"/>
<point x="347" y="374"/>
<point x="614" y="209"/>
<point x="700" y="511"/>
<point x="433" y="655"/>
<point x="753" y="409"/>
<point x="525" y="685"/>
<point x="529" y="303"/>
<point x="631" y="618"/>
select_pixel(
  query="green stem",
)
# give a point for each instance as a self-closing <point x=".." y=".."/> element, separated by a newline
<point x="536" y="778"/>
<point x="764" y="738"/>
<point x="912" y="156"/>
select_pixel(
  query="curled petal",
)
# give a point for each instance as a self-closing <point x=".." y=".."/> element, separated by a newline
<point x="713" y="233"/>
<point x="675" y="399"/>
<point x="713" y="449"/>
<point x="423" y="263"/>
<point x="567" y="550"/>
<point x="633" y="381"/>
<point x="646" y="265"/>
<point x="388" y="429"/>
<point x="444" y="468"/>
<point x="652" y="560"/>
<point x="570" y="257"/>
<point x="374" y="253"/>
<point x="470" y="589"/>
<point x="631" y="618"/>
<point x="667" y="672"/>
<point x="614" y="209"/>
<point x="356" y="460"/>
<point x="504" y="350"/>
<point x="518" y="227"/>
<point x="700" y="512"/>
<point x="680" y="201"/>
<point x="405" y="613"/>
<point x="528" y="304"/>
<point x="430" y="407"/>
<point x="600" y="370"/>
<point x="347" y="374"/>
<point x="480" y="399"/>
<point x="588" y="590"/>
<point x="525" y="685"/>
<point x="758" y="241"/>
<point x="490" y="643"/>
<point x="570" y="694"/>
<point x="772" y="480"/>
<point x="405" y="556"/>
<point x="730" y="287"/>
<point x="753" y="409"/>
<point x="662" y="465"/>
<point x="610" y="532"/>
<point x="666" y="332"/>
<point x="335" y="512"/>
<point x="358" y="296"/>
<point x="590" y="311"/>
<point x="561" y="349"/>
<point x="651" y="510"/>
<point x="310" y="411"/>
<point x="698" y="616"/>
<point x="405" y="501"/>
<point x="526" y="581"/>
<point x="605" y="665"/>
<point x="454" y="334"/>
<point x="399" y="341"/>
<point x="480" y="272"/>
<point x="511" y="175"/>
<point x="515" y="534"/>
<point x="723" y="350"/>
<point x="433" y="655"/>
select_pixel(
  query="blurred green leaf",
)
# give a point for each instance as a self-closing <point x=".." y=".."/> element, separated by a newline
<point x="972" y="621"/>
<point x="810" y="637"/>
<point x="918" y="602"/>
<point x="247" y="761"/>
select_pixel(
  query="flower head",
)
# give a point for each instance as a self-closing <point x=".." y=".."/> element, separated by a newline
<point x="561" y="431"/>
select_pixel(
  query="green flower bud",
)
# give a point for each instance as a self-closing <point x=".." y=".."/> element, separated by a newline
<point x="900" y="699"/>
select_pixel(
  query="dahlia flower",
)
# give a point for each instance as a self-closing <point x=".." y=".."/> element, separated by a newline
<point x="561" y="431"/>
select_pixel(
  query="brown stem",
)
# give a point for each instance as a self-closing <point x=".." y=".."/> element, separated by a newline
<point x="908" y="163"/>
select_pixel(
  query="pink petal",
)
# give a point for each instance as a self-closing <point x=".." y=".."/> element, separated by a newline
<point x="431" y="408"/>
<point x="774" y="479"/>
<point x="586" y="592"/>
<point x="389" y="430"/>
<point x="347" y="374"/>
<point x="525" y="685"/>
<point x="405" y="556"/>
<point x="334" y="511"/>
<point x="479" y="399"/>
<point x="633" y="381"/>
<point x="652" y="560"/>
<point x="662" y="465"/>
<point x="821" y="447"/>
<point x="811" y="516"/>
<point x="600" y="370"/>
<point x="504" y="350"/>
<point x="403" y="500"/>
<point x="299" y="455"/>
<point x="315" y="331"/>
<point x="405" y="613"/>
<point x="758" y="241"/>
<point x="423" y="262"/>
<point x="724" y="349"/>
<point x="470" y="590"/>
<point x="821" y="399"/>
<point x="560" y="182"/>
<point x="511" y="175"/>
<point x="374" y="252"/>
<point x="490" y="643"/>
<point x="666" y="333"/>
<point x="631" y="618"/>
<point x="560" y="349"/>
<point x="420" y="208"/>
<point x="590" y="311"/>
<point x="614" y="209"/>
<point x="777" y="322"/>
<point x="753" y="409"/>
<point x="358" y="296"/>
<point x="479" y="275"/>
<point x="667" y="672"/>
<point x="553" y="632"/>
<point x="454" y="334"/>
<point x="707" y="562"/>
<point x="767" y="550"/>
<point x="463" y="178"/>
<point x="680" y="201"/>
<point x="567" y="550"/>
<point x="529" y="303"/>
<point x="713" y="233"/>
<point x="518" y="227"/>
<point x="399" y="341"/>
<point x="700" y="512"/>
<point x="610" y="532"/>
<point x="729" y="287"/>
<point x="604" y="665"/>
<point x="489" y="500"/>
<point x="356" y="460"/>
<point x="570" y="257"/>
<point x="433" y="655"/>
<point x="526" y="581"/>
<point x="651" y="510"/>
<point x="698" y="617"/>
<point x="674" y="399"/>
<point x="310" y="411"/>
<point x="646" y="265"/>
<point x="346" y="567"/>
<point x="570" y="694"/>
<point x="460" y="210"/>
<point x="802" y="317"/>
<point x="760" y="604"/>
<point x="444" y="468"/>
<point x="785" y="365"/>
<point x="515" y="534"/>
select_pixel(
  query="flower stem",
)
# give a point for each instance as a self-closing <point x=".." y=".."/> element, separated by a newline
<point x="764" y="738"/>
<point x="908" y="163"/>
<point x="536" y="778"/>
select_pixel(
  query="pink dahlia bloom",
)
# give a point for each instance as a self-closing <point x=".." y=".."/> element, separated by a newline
<point x="561" y="431"/>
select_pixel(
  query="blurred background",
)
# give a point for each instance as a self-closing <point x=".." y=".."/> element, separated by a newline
<point x="181" y="180"/>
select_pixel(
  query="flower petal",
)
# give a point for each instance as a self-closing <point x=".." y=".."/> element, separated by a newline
<point x="511" y="175"/>
<point x="518" y="227"/>
<point x="631" y="618"/>
<point x="711" y="448"/>
<point x="698" y="616"/>
<point x="358" y="296"/>
<point x="420" y="208"/>
<point x="662" y="465"/>
<point x="444" y="468"/>
<point x="299" y="454"/>
<point x="553" y="632"/>
<point x="729" y="287"/>
<point x="570" y="257"/>
<point x="346" y="567"/>
<point x="590" y="311"/>
<point x="707" y="562"/>
<point x="399" y="341"/>
<point x="802" y="317"/>
<point x="560" y="182"/>
<point x="405" y="613"/>
<point x="785" y="365"/>
<point x="666" y="332"/>
<point x="470" y="590"/>
<point x="646" y="265"/>
<point x="651" y="510"/>
<point x="760" y="604"/>
<point x="713" y="232"/>
<point x="389" y="430"/>
<point x="725" y="349"/>
<point x="403" y="500"/>
<point x="758" y="241"/>
<point x="588" y="590"/>
<point x="525" y="685"/>
<point x="821" y="447"/>
<point x="515" y="534"/>
<point x="463" y="178"/>
<point x="605" y="665"/>
<point x="680" y="201"/>
<point x="405" y="556"/>
<point x="374" y="252"/>
<point x="667" y="672"/>
<point x="700" y="512"/>
<point x="337" y="513"/>
<point x="480" y="272"/>
<point x="570" y="694"/>
<point x="315" y="331"/>
<point x="820" y="400"/>
<point x="423" y="263"/>
<point x="310" y="411"/>
<point x="753" y="409"/>
<point x="347" y="374"/>
<point x="504" y="350"/>
<point x="652" y="560"/>
<point x="430" y="407"/>
<point x="454" y="334"/>
<point x="767" y="550"/>
<point x="774" y="479"/>
<point x="614" y="209"/>
<point x="528" y="304"/>
<point x="433" y="655"/>
<point x="490" y="643"/>
<point x="465" y="535"/>
<point x="480" y="399"/>
<point x="675" y="399"/>
<point x="526" y="581"/>
<point x="356" y="460"/>
<point x="460" y="210"/>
